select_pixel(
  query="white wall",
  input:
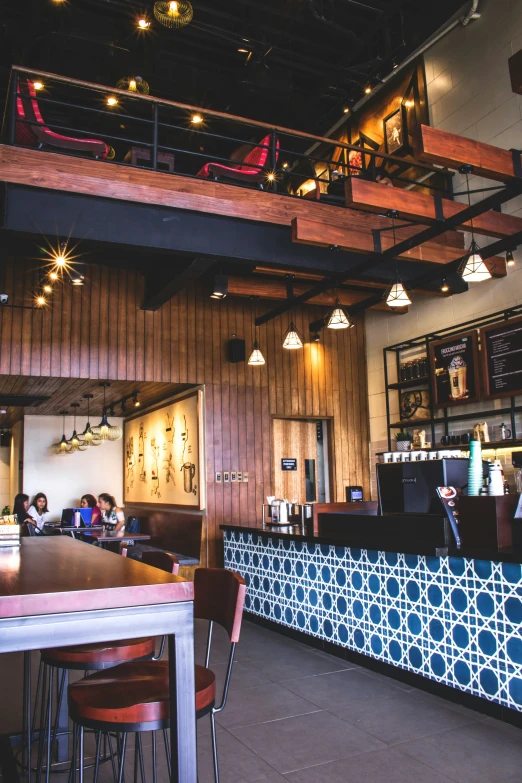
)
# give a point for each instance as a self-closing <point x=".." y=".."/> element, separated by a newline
<point x="469" y="93"/>
<point x="5" y="481"/>
<point x="64" y="479"/>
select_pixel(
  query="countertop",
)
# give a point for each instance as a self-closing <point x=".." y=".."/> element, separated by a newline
<point x="346" y="538"/>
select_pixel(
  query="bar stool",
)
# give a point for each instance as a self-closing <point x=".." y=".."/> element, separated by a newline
<point x="58" y="662"/>
<point x="133" y="697"/>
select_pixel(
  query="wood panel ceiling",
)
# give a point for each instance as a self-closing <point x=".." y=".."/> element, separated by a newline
<point x="62" y="392"/>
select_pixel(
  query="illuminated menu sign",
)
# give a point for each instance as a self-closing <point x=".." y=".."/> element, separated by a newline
<point x="454" y="369"/>
<point x="502" y="358"/>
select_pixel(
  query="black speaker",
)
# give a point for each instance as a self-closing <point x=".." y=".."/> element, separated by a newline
<point x="236" y="351"/>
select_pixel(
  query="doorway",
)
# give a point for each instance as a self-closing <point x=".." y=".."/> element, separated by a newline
<point x="300" y="460"/>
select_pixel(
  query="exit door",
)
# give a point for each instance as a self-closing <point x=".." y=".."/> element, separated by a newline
<point x="301" y="444"/>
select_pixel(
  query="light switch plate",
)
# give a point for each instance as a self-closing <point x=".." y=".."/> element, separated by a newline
<point x="245" y="477"/>
<point x="226" y="476"/>
<point x="233" y="475"/>
<point x="239" y="476"/>
<point x="218" y="478"/>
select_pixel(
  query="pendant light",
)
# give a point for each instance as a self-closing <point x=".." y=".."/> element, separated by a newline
<point x="256" y="358"/>
<point x="339" y="318"/>
<point x="473" y="269"/>
<point x="87" y="436"/>
<point x="62" y="447"/>
<point x="173" y="13"/>
<point x="74" y="443"/>
<point x="292" y="338"/>
<point x="104" y="430"/>
<point x="396" y="295"/>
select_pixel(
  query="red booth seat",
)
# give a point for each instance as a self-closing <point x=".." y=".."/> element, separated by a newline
<point x="251" y="169"/>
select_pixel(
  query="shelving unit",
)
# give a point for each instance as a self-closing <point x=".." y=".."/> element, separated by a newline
<point x="440" y="416"/>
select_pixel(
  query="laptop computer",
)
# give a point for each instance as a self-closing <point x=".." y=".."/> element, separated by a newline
<point x="68" y="517"/>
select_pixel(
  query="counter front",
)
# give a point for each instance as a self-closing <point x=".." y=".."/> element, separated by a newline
<point x="456" y="620"/>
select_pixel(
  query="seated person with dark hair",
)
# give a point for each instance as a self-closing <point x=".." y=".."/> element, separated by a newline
<point x="382" y="177"/>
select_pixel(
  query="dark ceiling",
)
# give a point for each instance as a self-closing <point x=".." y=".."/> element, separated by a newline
<point x="305" y="59"/>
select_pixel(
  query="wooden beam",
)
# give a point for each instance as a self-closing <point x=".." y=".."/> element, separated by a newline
<point x="411" y="205"/>
<point x="448" y="149"/>
<point x="311" y="232"/>
<point x="276" y="290"/>
<point x="161" y="284"/>
<point x="53" y="171"/>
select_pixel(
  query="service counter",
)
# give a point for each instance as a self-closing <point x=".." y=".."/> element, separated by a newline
<point x="454" y="617"/>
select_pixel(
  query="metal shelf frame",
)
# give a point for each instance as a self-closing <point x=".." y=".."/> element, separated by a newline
<point x="424" y="341"/>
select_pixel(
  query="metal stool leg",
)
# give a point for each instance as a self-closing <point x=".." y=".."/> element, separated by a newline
<point x="82" y="753"/>
<point x="140" y="755"/>
<point x="122" y="756"/>
<point x="154" y="759"/>
<point x="27" y="718"/>
<point x="43" y="726"/>
<point x="97" y="762"/>
<point x="167" y="751"/>
<point x="48" y="725"/>
<point x="72" y="772"/>
<point x="214" y="746"/>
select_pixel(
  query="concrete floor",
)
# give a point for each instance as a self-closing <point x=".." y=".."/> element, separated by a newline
<point x="296" y="714"/>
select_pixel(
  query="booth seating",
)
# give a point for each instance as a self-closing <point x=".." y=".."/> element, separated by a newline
<point x="31" y="130"/>
<point x="253" y="167"/>
<point x="174" y="532"/>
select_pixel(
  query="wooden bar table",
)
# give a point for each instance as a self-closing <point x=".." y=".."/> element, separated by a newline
<point x="55" y="591"/>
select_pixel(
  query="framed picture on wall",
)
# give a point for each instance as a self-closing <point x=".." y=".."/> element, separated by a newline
<point x="454" y="370"/>
<point x="395" y="132"/>
<point x="164" y="454"/>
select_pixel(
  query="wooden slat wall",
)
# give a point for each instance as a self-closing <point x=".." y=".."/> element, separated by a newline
<point x="98" y="331"/>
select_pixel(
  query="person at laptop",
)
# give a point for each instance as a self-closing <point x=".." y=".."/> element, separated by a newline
<point x="38" y="509"/>
<point x="89" y="501"/>
<point x="112" y="517"/>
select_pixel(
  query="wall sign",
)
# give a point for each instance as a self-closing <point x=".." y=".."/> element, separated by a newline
<point x="454" y="368"/>
<point x="289" y="464"/>
<point x="502" y="358"/>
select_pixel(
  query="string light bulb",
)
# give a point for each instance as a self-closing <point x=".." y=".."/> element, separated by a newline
<point x="143" y="24"/>
<point x="38" y="85"/>
<point x="196" y="119"/>
<point x="367" y="90"/>
<point x="444" y="287"/>
<point x="40" y="300"/>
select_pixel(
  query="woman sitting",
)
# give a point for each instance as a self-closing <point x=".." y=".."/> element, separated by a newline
<point x="21" y="504"/>
<point x="38" y="509"/>
<point x="89" y="501"/>
<point x="111" y="516"/>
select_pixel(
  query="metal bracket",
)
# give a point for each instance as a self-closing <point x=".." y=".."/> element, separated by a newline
<point x="290" y="286"/>
<point x="377" y="244"/>
<point x="517" y="162"/>
<point x="439" y="211"/>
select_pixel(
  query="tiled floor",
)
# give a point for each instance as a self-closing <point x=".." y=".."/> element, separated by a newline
<point x="296" y="714"/>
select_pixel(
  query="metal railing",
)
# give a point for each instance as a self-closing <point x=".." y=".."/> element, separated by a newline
<point x="72" y="106"/>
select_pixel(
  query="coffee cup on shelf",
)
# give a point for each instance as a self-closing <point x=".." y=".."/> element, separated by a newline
<point x="445" y="440"/>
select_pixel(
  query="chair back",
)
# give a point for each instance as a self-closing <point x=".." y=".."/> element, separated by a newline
<point x="28" y="529"/>
<point x="219" y="596"/>
<point x="258" y="156"/>
<point x="162" y="560"/>
<point x="27" y="109"/>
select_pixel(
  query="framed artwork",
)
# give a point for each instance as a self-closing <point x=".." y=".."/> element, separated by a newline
<point x="502" y="358"/>
<point x="395" y="132"/>
<point x="164" y="454"/>
<point x="454" y="370"/>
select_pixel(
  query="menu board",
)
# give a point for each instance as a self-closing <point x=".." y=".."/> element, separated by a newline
<point x="454" y="369"/>
<point x="502" y="358"/>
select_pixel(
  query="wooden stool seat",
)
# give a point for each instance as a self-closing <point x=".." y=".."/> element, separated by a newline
<point x="102" y="653"/>
<point x="133" y="693"/>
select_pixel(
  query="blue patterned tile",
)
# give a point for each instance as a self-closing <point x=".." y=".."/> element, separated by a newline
<point x="454" y="620"/>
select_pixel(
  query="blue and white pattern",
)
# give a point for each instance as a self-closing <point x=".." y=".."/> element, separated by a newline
<point x="455" y="620"/>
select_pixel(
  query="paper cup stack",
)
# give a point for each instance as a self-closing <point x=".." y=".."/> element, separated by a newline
<point x="475" y="468"/>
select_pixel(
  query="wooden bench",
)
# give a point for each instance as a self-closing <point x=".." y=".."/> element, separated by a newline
<point x="178" y="533"/>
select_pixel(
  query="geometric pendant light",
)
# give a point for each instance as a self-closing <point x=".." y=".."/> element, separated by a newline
<point x="173" y="14"/>
<point x="339" y="318"/>
<point x="134" y="84"/>
<point x="473" y="269"/>
<point x="256" y="358"/>
<point x="292" y="339"/>
<point x="395" y="295"/>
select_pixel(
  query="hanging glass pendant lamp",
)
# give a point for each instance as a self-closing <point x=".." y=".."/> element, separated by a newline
<point x="104" y="430"/>
<point x="87" y="436"/>
<point x="62" y="447"/>
<point x="339" y="318"/>
<point x="74" y="442"/>
<point x="473" y="269"/>
<point x="292" y="338"/>
<point x="173" y="13"/>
